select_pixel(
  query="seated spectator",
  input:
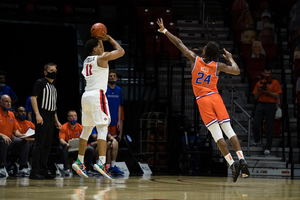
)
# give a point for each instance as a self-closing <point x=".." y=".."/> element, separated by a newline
<point x="29" y="110"/>
<point x="264" y="5"/>
<point x="237" y="8"/>
<point x="9" y="139"/>
<point x="256" y="50"/>
<point x="68" y="131"/>
<point x="248" y="36"/>
<point x="267" y="35"/>
<point x="296" y="59"/>
<point x="244" y="20"/>
<point x="111" y="153"/>
<point x="266" y="17"/>
<point x="295" y="8"/>
<point x="4" y="89"/>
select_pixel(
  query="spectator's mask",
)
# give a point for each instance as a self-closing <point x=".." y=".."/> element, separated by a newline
<point x="5" y="108"/>
<point x="2" y="84"/>
<point x="112" y="82"/>
<point x="73" y="122"/>
<point x="22" y="117"/>
<point x="51" y="75"/>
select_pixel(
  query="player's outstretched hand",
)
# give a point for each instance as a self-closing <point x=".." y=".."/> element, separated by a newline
<point x="227" y="55"/>
<point x="160" y="23"/>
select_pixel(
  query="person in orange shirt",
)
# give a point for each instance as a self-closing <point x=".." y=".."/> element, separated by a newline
<point x="21" y="117"/>
<point x="214" y="114"/>
<point x="68" y="131"/>
<point x="9" y="139"/>
<point x="266" y="93"/>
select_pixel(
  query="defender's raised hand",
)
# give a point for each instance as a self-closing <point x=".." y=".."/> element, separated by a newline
<point x="160" y="23"/>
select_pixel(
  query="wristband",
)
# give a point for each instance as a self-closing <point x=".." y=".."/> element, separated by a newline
<point x="164" y="31"/>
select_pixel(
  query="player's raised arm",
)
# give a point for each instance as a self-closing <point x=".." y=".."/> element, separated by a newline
<point x="116" y="53"/>
<point x="233" y="69"/>
<point x="176" y="41"/>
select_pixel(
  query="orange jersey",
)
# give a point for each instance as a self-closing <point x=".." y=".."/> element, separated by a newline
<point x="7" y="123"/>
<point x="67" y="133"/>
<point x="23" y="126"/>
<point x="204" y="78"/>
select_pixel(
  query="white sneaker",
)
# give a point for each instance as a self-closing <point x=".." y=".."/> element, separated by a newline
<point x="267" y="152"/>
<point x="25" y="172"/>
<point x="3" y="173"/>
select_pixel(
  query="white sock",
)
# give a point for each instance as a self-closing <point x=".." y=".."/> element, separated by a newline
<point x="81" y="158"/>
<point x="102" y="160"/>
<point x="240" y="155"/>
<point x="229" y="159"/>
<point x="113" y="163"/>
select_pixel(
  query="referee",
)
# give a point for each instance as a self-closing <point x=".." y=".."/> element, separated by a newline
<point x="43" y="102"/>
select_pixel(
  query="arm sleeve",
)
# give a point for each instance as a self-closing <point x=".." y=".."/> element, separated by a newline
<point x="37" y="87"/>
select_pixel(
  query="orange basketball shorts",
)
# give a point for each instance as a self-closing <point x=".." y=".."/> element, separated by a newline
<point x="212" y="109"/>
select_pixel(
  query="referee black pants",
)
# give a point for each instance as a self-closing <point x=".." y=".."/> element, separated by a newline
<point x="43" y="142"/>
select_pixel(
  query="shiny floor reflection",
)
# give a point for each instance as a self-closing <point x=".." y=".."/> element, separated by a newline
<point x="150" y="188"/>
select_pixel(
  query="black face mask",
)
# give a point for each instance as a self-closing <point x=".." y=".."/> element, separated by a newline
<point x="51" y="75"/>
<point x="112" y="82"/>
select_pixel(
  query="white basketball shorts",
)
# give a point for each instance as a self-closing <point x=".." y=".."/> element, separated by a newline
<point x="95" y="110"/>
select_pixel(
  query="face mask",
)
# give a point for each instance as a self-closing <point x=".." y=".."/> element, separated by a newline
<point x="73" y="122"/>
<point x="51" y="75"/>
<point x="22" y="117"/>
<point x="5" y="108"/>
<point x="112" y="82"/>
<point x="2" y="84"/>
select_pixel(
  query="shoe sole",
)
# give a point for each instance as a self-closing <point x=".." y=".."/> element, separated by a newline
<point x="96" y="167"/>
<point x="237" y="173"/>
<point x="245" y="171"/>
<point x="79" y="171"/>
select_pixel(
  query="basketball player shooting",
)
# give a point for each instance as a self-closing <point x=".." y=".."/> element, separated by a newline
<point x="205" y="73"/>
<point x="95" y="110"/>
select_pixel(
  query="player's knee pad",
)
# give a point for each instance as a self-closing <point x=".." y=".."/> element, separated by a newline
<point x="86" y="132"/>
<point x="102" y="132"/>
<point x="229" y="132"/>
<point x="215" y="131"/>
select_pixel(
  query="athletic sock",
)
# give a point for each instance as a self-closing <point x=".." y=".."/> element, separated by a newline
<point x="240" y="155"/>
<point x="102" y="160"/>
<point x="113" y="163"/>
<point x="81" y="158"/>
<point x="229" y="159"/>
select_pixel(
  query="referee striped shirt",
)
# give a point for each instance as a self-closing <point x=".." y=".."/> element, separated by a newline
<point x="46" y="94"/>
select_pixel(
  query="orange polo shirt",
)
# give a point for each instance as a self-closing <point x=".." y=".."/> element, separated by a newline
<point x="67" y="133"/>
<point x="274" y="86"/>
<point x="8" y="123"/>
<point x="24" y="125"/>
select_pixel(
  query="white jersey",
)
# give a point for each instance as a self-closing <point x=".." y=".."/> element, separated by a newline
<point x="96" y="77"/>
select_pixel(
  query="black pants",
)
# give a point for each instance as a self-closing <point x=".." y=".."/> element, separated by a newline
<point x="17" y="146"/>
<point x="42" y="142"/>
<point x="268" y="111"/>
<point x="65" y="154"/>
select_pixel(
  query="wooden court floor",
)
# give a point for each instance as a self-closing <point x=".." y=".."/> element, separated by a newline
<point x="151" y="188"/>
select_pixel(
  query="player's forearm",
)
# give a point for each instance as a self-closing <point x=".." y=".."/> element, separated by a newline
<point x="234" y="66"/>
<point x="116" y="45"/>
<point x="175" y="40"/>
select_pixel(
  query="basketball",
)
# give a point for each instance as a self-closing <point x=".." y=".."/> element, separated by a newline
<point x="98" y="29"/>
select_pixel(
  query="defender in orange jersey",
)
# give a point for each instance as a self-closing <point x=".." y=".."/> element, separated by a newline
<point x="211" y="107"/>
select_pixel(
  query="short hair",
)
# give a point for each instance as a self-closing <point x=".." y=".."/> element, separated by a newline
<point x="113" y="71"/>
<point x="90" y="45"/>
<point x="48" y="65"/>
<point x="3" y="73"/>
<point x="17" y="109"/>
<point x="212" y="50"/>
<point x="71" y="111"/>
<point x="267" y="68"/>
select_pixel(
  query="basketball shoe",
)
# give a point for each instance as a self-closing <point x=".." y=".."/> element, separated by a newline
<point x="102" y="169"/>
<point x="80" y="169"/>
<point x="235" y="168"/>
<point x="244" y="168"/>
